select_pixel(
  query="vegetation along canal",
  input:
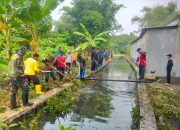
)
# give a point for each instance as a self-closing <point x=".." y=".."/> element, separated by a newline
<point x="101" y="105"/>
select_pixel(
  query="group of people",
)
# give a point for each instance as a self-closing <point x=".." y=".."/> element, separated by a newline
<point x="97" y="58"/>
<point x="21" y="72"/>
<point x="141" y="61"/>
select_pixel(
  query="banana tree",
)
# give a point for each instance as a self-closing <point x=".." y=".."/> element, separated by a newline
<point x="9" y="24"/>
<point x="90" y="41"/>
<point x="32" y="14"/>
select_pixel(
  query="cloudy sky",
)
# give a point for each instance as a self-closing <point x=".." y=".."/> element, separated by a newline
<point x="124" y="15"/>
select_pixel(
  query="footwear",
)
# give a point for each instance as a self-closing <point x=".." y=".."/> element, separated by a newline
<point x="28" y="104"/>
<point x="13" y="102"/>
<point x="167" y="84"/>
<point x="38" y="89"/>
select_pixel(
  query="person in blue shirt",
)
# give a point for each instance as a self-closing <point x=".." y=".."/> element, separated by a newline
<point x="101" y="57"/>
<point x="58" y="52"/>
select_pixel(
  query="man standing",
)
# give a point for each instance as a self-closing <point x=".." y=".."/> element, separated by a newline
<point x="169" y="68"/>
<point x="82" y="66"/>
<point x="101" y="57"/>
<point x="61" y="65"/>
<point x="49" y="63"/>
<point x="68" y="61"/>
<point x="31" y="69"/>
<point x="141" y="60"/>
<point x="17" y="79"/>
<point x="58" y="52"/>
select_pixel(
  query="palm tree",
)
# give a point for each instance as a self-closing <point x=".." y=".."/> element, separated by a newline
<point x="32" y="14"/>
<point x="90" y="41"/>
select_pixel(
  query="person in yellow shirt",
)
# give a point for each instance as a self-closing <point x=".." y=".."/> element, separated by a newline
<point x="31" y="69"/>
<point x="73" y="59"/>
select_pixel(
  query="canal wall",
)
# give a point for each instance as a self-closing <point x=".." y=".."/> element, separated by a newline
<point x="147" y="117"/>
<point x="11" y="116"/>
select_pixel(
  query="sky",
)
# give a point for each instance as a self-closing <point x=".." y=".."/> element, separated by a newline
<point x="124" y="15"/>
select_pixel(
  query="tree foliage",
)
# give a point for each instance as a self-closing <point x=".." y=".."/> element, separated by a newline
<point x="156" y="16"/>
<point x="121" y="43"/>
<point x="96" y="15"/>
<point x="89" y="40"/>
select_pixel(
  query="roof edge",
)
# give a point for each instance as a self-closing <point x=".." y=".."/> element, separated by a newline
<point x="143" y="31"/>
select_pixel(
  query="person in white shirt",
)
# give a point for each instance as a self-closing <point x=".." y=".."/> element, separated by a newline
<point x="68" y="61"/>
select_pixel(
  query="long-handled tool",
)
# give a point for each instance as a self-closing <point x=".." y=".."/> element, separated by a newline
<point x="59" y="72"/>
<point x="118" y="80"/>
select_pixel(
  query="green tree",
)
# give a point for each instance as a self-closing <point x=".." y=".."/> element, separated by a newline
<point x="156" y="16"/>
<point x="121" y="43"/>
<point x="33" y="13"/>
<point x="96" y="15"/>
<point x="89" y="40"/>
<point x="9" y="25"/>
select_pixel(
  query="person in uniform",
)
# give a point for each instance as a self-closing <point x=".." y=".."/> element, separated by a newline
<point x="18" y="79"/>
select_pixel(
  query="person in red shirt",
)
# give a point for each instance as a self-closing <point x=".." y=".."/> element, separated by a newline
<point x="142" y="64"/>
<point x="61" y="65"/>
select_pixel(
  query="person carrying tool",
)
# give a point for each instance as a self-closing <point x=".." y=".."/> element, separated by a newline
<point x="49" y="61"/>
<point x="31" y="70"/>
<point x="18" y="79"/>
<point x="169" y="68"/>
<point x="82" y="66"/>
<point x="68" y="61"/>
<point x="61" y="65"/>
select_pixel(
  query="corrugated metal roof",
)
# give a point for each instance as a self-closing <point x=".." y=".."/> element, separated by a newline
<point x="143" y="31"/>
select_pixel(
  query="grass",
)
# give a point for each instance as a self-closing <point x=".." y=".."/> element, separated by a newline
<point x="166" y="105"/>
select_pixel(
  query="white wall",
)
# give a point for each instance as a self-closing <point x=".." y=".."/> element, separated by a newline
<point x="141" y="43"/>
<point x="161" y="43"/>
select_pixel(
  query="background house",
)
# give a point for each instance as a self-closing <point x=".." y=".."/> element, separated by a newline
<point x="158" y="42"/>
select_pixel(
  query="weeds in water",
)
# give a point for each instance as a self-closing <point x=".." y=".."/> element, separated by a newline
<point x="4" y="126"/>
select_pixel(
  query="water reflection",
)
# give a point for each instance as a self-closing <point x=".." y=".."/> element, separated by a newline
<point x="102" y="105"/>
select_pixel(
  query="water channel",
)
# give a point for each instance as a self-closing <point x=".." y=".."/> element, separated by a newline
<point x="102" y="105"/>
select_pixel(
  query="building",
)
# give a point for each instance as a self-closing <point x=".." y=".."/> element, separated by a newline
<point x="158" y="42"/>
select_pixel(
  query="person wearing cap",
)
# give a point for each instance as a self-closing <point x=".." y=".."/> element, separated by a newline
<point x="18" y="79"/>
<point x="68" y="61"/>
<point x="31" y="70"/>
<point x="49" y="62"/>
<point x="169" y="68"/>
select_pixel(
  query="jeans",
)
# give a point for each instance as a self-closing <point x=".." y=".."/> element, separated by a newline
<point x="169" y="69"/>
<point x="61" y="75"/>
<point x="82" y="74"/>
<point x="141" y="72"/>
<point x="47" y="76"/>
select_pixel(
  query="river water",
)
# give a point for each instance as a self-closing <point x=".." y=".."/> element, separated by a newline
<point x="102" y="105"/>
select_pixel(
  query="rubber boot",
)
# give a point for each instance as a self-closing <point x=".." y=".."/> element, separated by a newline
<point x="27" y="100"/>
<point x="13" y="101"/>
<point x="38" y="89"/>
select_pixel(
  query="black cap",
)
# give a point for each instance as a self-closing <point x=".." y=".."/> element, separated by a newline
<point x="170" y="55"/>
<point x="138" y="49"/>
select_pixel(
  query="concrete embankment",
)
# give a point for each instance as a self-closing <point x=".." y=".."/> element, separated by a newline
<point x="11" y="116"/>
<point x="147" y="117"/>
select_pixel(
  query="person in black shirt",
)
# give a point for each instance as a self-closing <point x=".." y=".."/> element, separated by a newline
<point x="82" y="66"/>
<point x="169" y="68"/>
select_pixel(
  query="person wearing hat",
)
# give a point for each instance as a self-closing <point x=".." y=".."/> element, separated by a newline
<point x="17" y="78"/>
<point x="169" y="68"/>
